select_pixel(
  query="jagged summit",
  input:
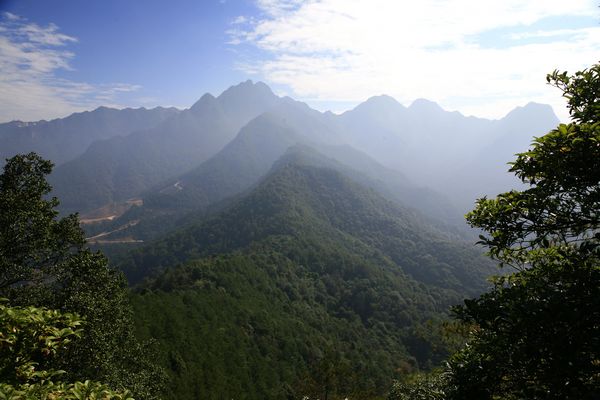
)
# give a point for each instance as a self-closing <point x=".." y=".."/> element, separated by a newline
<point x="378" y="104"/>
<point x="426" y="106"/>
<point x="206" y="99"/>
<point x="532" y="110"/>
<point x="247" y="88"/>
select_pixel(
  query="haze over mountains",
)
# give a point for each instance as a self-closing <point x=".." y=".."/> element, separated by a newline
<point x="63" y="139"/>
<point x="109" y="156"/>
<point x="307" y="265"/>
<point x="171" y="162"/>
<point x="119" y="168"/>
<point x="266" y="241"/>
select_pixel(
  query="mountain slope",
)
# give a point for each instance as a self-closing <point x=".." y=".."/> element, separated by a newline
<point x="322" y="202"/>
<point x="445" y="151"/>
<point x="247" y="158"/>
<point x="485" y="173"/>
<point x="63" y="139"/>
<point x="262" y="142"/>
<point x="239" y="165"/>
<point x="307" y="268"/>
<point x="120" y="168"/>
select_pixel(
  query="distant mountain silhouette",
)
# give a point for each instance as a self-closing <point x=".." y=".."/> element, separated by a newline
<point x="63" y="139"/>
<point x="445" y="150"/>
<point x="222" y="145"/>
<point x="119" y="168"/>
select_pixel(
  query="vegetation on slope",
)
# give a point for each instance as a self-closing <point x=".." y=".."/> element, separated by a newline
<point x="309" y="284"/>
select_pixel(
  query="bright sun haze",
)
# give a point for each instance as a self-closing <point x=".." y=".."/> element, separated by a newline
<point x="481" y="58"/>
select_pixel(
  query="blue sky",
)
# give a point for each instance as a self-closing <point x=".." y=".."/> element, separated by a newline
<point x="476" y="56"/>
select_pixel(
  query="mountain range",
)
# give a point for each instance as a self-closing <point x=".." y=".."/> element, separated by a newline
<point x="109" y="156"/>
<point x="64" y="139"/>
<point x="275" y="251"/>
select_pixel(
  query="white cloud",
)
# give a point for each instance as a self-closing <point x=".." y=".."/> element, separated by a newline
<point x="11" y="16"/>
<point x="240" y="19"/>
<point x="30" y="57"/>
<point x="352" y="49"/>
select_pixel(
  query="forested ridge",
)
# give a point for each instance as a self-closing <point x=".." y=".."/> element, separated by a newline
<point x="308" y="265"/>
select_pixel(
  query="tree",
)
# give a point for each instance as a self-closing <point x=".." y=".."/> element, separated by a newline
<point x="33" y="243"/>
<point x="29" y="338"/>
<point x="420" y="387"/>
<point x="537" y="332"/>
<point x="44" y="263"/>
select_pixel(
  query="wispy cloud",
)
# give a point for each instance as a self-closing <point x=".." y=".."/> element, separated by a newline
<point x="31" y="55"/>
<point x="351" y="49"/>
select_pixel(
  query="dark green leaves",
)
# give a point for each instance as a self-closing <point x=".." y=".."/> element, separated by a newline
<point x="582" y="91"/>
<point x="44" y="263"/>
<point x="537" y="335"/>
<point x="30" y="338"/>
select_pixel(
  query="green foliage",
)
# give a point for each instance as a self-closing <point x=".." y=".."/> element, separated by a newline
<point x="30" y="338"/>
<point x="537" y="335"/>
<point x="31" y="239"/>
<point x="44" y="263"/>
<point x="582" y="91"/>
<point x="537" y="330"/>
<point x="420" y="386"/>
<point x="560" y="209"/>
<point x="261" y="326"/>
<point x="310" y="204"/>
<point x="309" y="285"/>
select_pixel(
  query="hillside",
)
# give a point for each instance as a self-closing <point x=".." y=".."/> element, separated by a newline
<point x="307" y="271"/>
<point x="265" y="139"/>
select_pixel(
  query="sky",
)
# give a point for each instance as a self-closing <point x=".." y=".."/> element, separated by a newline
<point x="479" y="57"/>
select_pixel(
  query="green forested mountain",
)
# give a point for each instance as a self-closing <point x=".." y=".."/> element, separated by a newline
<point x="264" y="140"/>
<point x="283" y="257"/>
<point x="309" y="283"/>
<point x="246" y="158"/>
